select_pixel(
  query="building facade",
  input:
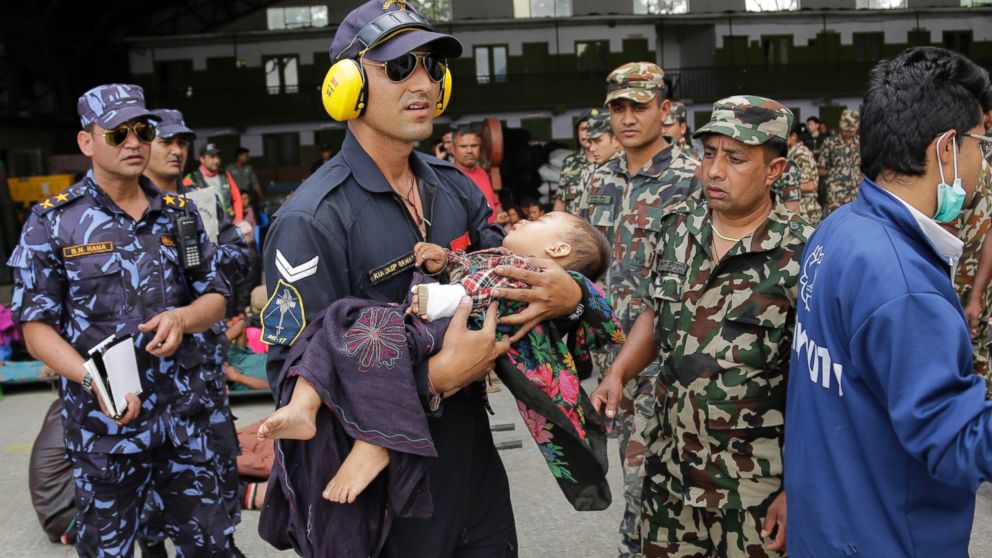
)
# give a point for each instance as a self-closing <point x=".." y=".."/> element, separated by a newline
<point x="536" y="64"/>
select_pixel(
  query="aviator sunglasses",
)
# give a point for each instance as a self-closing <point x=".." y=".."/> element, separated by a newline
<point x="400" y="68"/>
<point x="117" y="136"/>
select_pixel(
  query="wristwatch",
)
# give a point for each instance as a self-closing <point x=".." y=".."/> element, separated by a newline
<point x="87" y="383"/>
<point x="579" y="310"/>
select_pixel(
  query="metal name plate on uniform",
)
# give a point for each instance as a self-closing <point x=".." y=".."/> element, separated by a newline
<point x="283" y="318"/>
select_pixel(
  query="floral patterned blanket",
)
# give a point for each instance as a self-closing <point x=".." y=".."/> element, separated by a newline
<point x="542" y="372"/>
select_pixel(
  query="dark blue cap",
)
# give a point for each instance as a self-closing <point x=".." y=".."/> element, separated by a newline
<point x="111" y="105"/>
<point x="171" y="124"/>
<point x="391" y="29"/>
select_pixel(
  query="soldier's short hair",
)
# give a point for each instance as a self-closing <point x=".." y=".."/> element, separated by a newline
<point x="775" y="147"/>
<point x="464" y="131"/>
<point x="913" y="98"/>
<point x="590" y="249"/>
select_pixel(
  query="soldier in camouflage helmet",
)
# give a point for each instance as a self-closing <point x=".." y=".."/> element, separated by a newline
<point x="103" y="259"/>
<point x="723" y="296"/>
<point x="577" y="167"/>
<point x="676" y="126"/>
<point x="627" y="200"/>
<point x="840" y="163"/>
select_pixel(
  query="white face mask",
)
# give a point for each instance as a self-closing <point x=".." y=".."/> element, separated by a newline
<point x="950" y="197"/>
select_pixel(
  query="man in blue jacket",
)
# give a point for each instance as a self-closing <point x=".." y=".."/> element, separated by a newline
<point x="888" y="433"/>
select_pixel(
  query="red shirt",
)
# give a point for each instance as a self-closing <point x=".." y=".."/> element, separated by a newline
<point x="481" y="179"/>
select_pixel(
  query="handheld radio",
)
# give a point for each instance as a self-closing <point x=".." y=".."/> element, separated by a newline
<point x="188" y="239"/>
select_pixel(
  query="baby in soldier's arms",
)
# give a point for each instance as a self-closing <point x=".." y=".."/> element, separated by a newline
<point x="566" y="240"/>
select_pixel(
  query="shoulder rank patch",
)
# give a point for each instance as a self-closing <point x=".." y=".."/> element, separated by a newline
<point x="600" y="199"/>
<point x="673" y="267"/>
<point x="293" y="273"/>
<point x="57" y="200"/>
<point x="283" y="317"/>
<point x="87" y="249"/>
<point x="392" y="268"/>
<point x="174" y="201"/>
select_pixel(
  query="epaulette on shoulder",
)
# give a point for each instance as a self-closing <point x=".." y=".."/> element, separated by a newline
<point x="800" y="228"/>
<point x="174" y="201"/>
<point x="58" y="200"/>
<point x="317" y="186"/>
<point x="684" y="162"/>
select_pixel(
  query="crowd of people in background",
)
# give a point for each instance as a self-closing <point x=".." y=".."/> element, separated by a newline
<point x="705" y="277"/>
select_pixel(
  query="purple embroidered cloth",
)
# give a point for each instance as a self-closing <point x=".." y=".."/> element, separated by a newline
<point x="359" y="356"/>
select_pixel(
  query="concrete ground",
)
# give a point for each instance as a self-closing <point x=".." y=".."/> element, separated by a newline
<point x="547" y="526"/>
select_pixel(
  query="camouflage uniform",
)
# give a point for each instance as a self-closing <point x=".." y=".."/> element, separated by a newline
<point x="232" y="260"/>
<point x="575" y="172"/>
<point x="842" y="160"/>
<point x="972" y="225"/>
<point x="788" y="187"/>
<point x="809" y="206"/>
<point x="724" y="329"/>
<point x="628" y="210"/>
<point x="678" y="113"/>
<point x="91" y="271"/>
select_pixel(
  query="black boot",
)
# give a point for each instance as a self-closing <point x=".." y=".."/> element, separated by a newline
<point x="152" y="549"/>
<point x="232" y="550"/>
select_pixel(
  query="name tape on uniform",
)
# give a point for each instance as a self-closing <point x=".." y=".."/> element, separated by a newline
<point x="676" y="268"/>
<point x="87" y="249"/>
<point x="392" y="268"/>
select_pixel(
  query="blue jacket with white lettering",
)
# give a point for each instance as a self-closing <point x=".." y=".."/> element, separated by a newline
<point x="888" y="433"/>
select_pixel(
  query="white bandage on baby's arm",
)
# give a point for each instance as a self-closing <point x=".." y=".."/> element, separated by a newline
<point x="437" y="301"/>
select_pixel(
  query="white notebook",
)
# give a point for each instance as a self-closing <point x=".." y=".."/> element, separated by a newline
<point x="115" y="372"/>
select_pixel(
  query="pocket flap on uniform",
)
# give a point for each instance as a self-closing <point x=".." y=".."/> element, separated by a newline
<point x="667" y="287"/>
<point x="651" y="219"/>
<point x="758" y="309"/>
<point x="744" y="414"/>
<point x="93" y="265"/>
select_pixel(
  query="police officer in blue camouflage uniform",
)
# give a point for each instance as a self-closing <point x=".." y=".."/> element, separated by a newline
<point x="102" y="259"/>
<point x="349" y="230"/>
<point x="169" y="152"/>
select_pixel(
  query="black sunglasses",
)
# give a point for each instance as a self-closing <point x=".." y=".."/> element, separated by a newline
<point x="400" y="68"/>
<point x="117" y="136"/>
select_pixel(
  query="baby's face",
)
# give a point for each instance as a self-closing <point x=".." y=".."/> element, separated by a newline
<point x="534" y="238"/>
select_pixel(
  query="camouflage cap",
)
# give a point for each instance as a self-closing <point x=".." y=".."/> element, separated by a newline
<point x="638" y="81"/>
<point x="748" y="119"/>
<point x="112" y="105"/>
<point x="587" y="114"/>
<point x="849" y="120"/>
<point x="172" y="124"/>
<point x="676" y="114"/>
<point x="599" y="125"/>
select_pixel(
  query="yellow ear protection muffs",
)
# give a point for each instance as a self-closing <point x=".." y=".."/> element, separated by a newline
<point x="345" y="88"/>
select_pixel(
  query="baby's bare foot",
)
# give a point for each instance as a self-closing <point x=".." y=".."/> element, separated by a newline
<point x="292" y="422"/>
<point x="362" y="466"/>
